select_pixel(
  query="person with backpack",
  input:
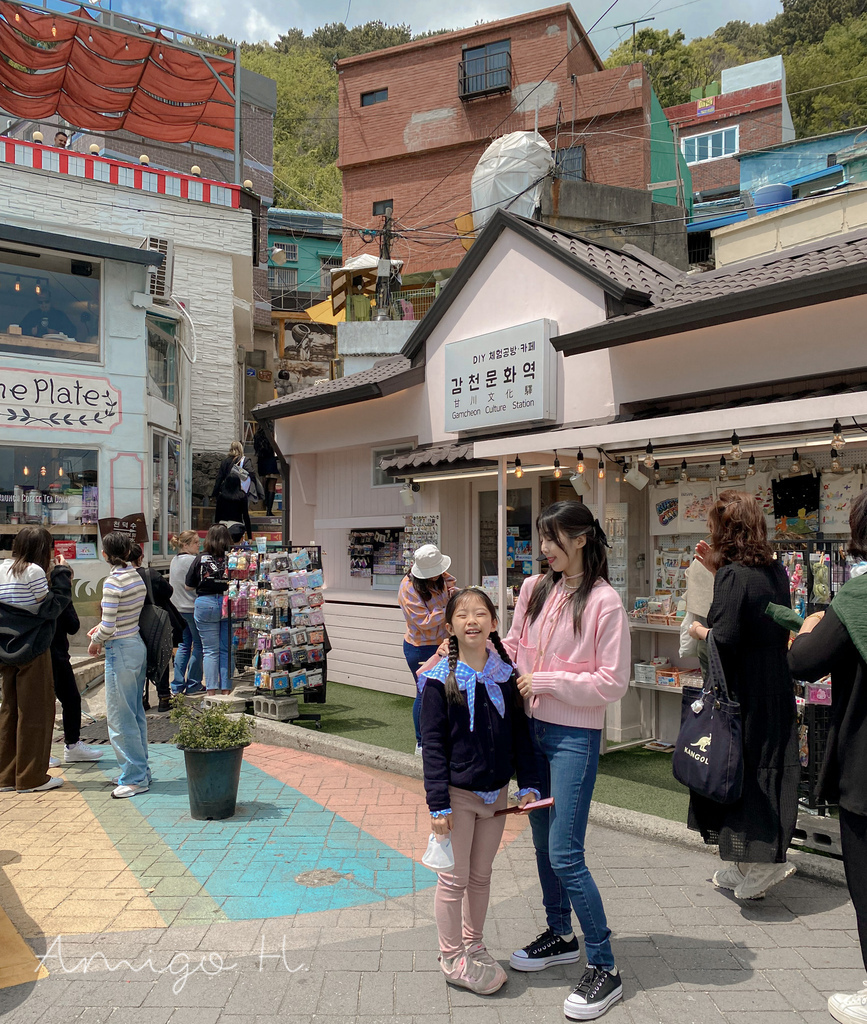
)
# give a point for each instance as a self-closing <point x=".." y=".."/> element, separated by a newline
<point x="209" y="577"/>
<point x="33" y="593"/>
<point x="161" y="592"/>
<point x="118" y="633"/>
<point x="235" y="487"/>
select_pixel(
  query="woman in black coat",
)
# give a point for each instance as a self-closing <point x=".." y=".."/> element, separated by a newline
<point x="235" y="487"/>
<point x="835" y="641"/>
<point x="755" y="831"/>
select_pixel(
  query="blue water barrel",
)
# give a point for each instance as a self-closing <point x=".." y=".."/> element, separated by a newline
<point x="772" y="195"/>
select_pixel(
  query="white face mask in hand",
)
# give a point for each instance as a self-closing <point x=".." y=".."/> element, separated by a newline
<point x="439" y="855"/>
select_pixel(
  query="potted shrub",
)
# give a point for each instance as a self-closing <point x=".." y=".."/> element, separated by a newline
<point x="213" y="746"/>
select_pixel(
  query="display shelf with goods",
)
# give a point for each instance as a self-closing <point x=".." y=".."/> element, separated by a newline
<point x="274" y="605"/>
<point x="418" y="531"/>
<point x="615" y="523"/>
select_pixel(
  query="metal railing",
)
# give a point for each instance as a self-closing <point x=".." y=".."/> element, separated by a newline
<point x="483" y="76"/>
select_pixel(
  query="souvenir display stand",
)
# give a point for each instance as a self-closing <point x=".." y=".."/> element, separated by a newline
<point x="277" y="623"/>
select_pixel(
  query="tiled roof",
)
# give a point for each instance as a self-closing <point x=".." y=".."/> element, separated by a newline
<point x="418" y="457"/>
<point x="384" y="378"/>
<point x="819" y="271"/>
<point x="629" y="267"/>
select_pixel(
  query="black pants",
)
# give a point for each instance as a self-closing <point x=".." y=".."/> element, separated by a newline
<point x="66" y="691"/>
<point x="853" y="832"/>
<point x="164" y="689"/>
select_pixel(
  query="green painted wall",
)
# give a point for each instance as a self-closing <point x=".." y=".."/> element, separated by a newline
<point x="662" y="154"/>
<point x="310" y="251"/>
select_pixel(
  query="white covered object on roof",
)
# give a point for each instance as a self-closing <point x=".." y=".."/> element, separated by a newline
<point x="509" y="176"/>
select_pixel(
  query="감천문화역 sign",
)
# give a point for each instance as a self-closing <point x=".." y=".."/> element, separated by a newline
<point x="58" y="401"/>
<point x="502" y="378"/>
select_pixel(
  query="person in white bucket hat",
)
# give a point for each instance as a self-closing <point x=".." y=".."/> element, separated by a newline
<point x="424" y="594"/>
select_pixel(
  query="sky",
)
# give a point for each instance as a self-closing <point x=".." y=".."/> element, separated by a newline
<point x="255" y="20"/>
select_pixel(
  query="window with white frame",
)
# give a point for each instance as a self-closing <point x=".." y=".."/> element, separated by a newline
<point x="281" y="279"/>
<point x="711" y="146"/>
<point x="291" y="250"/>
<point x="379" y="477"/>
<point x="326" y="264"/>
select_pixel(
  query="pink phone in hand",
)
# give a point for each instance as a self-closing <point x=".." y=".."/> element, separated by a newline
<point x="534" y="805"/>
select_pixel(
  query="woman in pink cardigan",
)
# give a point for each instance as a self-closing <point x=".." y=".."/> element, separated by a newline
<point x="570" y="642"/>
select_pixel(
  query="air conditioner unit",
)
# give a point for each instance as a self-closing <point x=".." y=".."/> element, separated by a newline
<point x="159" y="284"/>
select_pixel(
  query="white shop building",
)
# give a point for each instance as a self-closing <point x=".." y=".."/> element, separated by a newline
<point x="546" y="348"/>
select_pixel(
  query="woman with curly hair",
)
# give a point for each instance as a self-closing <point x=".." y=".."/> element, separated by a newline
<point x="754" y="833"/>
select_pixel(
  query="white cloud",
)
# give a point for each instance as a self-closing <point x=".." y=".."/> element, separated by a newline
<point x="266" y="19"/>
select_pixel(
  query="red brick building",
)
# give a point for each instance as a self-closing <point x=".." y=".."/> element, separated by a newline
<point x="415" y="119"/>
<point x="750" y="113"/>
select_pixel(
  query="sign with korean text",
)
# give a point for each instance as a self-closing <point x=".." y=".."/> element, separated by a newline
<point x="134" y="526"/>
<point x="507" y="377"/>
<point x="705" y="106"/>
<point x="58" y="401"/>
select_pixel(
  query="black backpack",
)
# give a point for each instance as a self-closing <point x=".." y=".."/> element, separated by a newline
<point x="155" y="628"/>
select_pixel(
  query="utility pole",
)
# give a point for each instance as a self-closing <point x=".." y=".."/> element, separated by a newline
<point x="383" y="273"/>
<point x="638" y="21"/>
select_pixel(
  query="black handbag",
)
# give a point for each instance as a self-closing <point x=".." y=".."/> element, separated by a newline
<point x="708" y="754"/>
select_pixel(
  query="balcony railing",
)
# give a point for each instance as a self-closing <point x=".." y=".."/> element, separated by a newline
<point x="484" y="76"/>
<point x="19" y="153"/>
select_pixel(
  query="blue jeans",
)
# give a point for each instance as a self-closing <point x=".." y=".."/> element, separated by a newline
<point x="567" y="760"/>
<point x="125" y="662"/>
<point x="188" y="660"/>
<point x="415" y="658"/>
<point x="214" y="631"/>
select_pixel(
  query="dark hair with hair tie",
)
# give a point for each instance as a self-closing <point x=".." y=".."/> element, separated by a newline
<point x="571" y="519"/>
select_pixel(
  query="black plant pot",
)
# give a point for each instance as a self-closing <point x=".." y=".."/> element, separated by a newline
<point x="212" y="779"/>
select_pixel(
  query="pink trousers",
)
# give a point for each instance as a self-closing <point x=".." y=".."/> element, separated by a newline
<point x="461" y="901"/>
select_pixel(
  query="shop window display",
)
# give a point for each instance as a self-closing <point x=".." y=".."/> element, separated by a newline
<point x="54" y="487"/>
<point x="49" y="305"/>
<point x="519" y="535"/>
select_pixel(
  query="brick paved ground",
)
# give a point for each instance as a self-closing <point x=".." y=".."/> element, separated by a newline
<point x="198" y="910"/>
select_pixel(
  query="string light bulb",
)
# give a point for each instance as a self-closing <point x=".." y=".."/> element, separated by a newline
<point x="38" y="288"/>
<point x="26" y="471"/>
<point x="17" y="284"/>
<point x="656" y="475"/>
<point x="839" y="442"/>
<point x="601" y="471"/>
<point x="684" y="472"/>
<point x="796" y="463"/>
<point x="557" y="471"/>
<point x="60" y="470"/>
<point x="835" y="461"/>
<point x="648" y="457"/>
<point x="736" y="454"/>
<point x="43" y="471"/>
<point x="54" y="29"/>
<point x="519" y="469"/>
<point x="723" y="469"/>
<point x="751" y="466"/>
<point x="579" y="468"/>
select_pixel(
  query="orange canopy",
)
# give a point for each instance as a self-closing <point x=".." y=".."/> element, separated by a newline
<point x="100" y="79"/>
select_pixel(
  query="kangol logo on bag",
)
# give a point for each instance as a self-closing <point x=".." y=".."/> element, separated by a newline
<point x="702" y="743"/>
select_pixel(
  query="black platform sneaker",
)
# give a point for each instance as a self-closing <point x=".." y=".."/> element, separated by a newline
<point x="594" y="994"/>
<point x="545" y="951"/>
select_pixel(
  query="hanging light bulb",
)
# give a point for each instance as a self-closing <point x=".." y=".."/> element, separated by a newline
<point x="17" y="284"/>
<point x="519" y="471"/>
<point x="54" y="28"/>
<point x="618" y="472"/>
<point x="26" y="471"/>
<point x="684" y="472"/>
<point x="557" y="471"/>
<point x="835" y="461"/>
<point x="648" y="458"/>
<point x="751" y="466"/>
<point x="839" y="442"/>
<point x="43" y="471"/>
<point x="60" y="470"/>
<point x="736" y="454"/>
<point x="723" y="470"/>
<point x="796" y="463"/>
<point x="580" y="467"/>
<point x="38" y="287"/>
<point x="656" y="470"/>
<point x="601" y="471"/>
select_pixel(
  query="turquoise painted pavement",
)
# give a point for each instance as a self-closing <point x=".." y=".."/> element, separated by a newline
<point x="248" y="866"/>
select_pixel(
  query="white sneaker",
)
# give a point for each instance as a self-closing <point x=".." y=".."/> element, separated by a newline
<point x="55" y="782"/>
<point x="849" y="1009"/>
<point x="81" y="752"/>
<point x="418" y="750"/>
<point x="53" y="762"/>
<point x="728" y="878"/>
<point x="122" y="792"/>
<point x="761" y="877"/>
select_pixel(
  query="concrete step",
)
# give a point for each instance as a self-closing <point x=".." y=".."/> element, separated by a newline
<point x="89" y="672"/>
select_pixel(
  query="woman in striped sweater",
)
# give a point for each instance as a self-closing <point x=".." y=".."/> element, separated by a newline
<point x="123" y="595"/>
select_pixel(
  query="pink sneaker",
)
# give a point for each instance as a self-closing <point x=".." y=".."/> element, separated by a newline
<point x="482" y="978"/>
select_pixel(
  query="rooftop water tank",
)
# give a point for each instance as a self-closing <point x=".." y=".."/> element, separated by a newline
<point x="772" y="195"/>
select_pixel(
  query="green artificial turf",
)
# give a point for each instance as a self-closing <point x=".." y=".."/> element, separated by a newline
<point x="635" y="779"/>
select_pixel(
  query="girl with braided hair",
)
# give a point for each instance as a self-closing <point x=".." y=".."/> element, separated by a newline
<point x="474" y="737"/>
<point x="570" y="642"/>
